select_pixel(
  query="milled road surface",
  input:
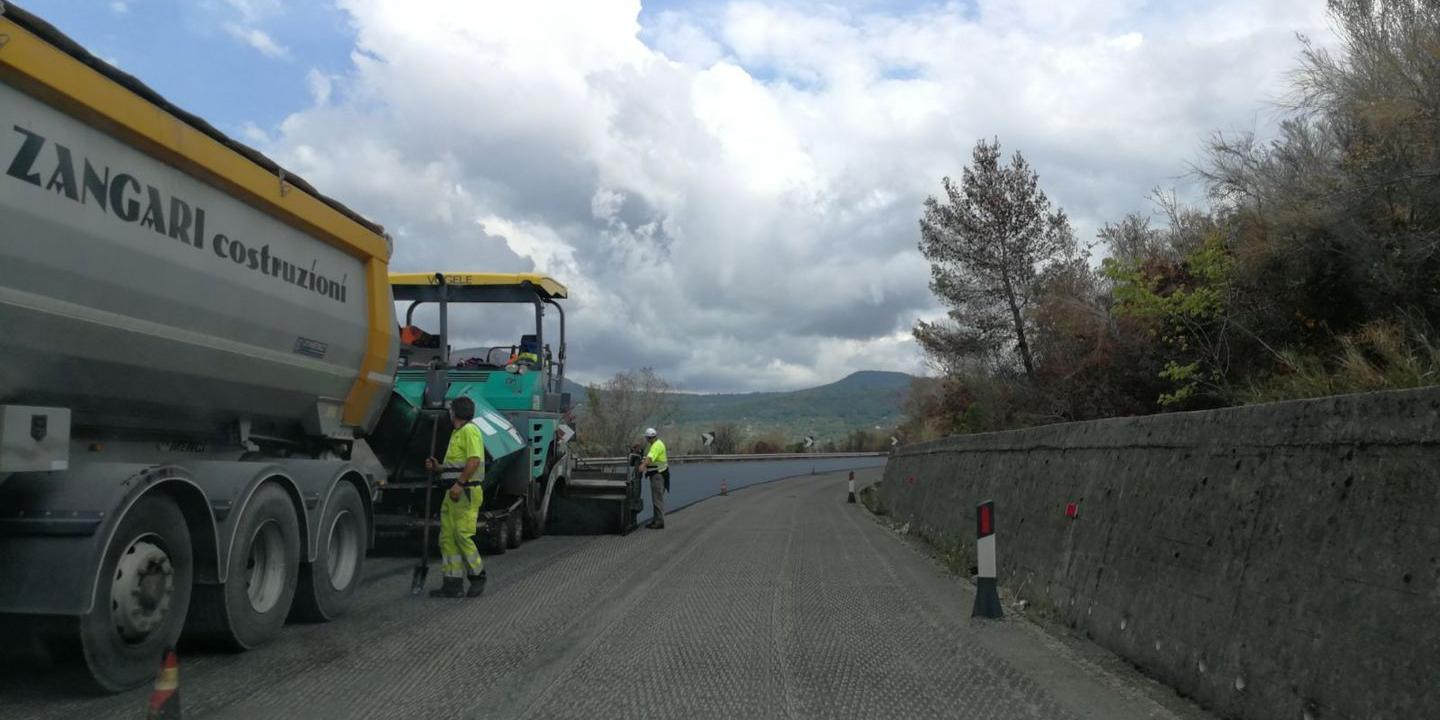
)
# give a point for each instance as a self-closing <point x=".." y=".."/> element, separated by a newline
<point x="779" y="601"/>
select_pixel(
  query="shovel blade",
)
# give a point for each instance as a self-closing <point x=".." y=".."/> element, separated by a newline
<point x="417" y="580"/>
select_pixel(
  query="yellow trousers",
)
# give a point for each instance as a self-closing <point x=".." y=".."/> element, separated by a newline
<point x="458" y="555"/>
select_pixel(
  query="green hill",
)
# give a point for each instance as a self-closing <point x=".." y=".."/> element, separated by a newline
<point x="862" y="401"/>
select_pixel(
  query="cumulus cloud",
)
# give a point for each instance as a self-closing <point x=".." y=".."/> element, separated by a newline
<point x="732" y="193"/>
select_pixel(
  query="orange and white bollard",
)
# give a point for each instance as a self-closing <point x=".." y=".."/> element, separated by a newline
<point x="851" y="498"/>
<point x="724" y="489"/>
<point x="165" y="700"/>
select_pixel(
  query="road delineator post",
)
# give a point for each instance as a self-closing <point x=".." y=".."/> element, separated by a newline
<point x="987" y="595"/>
<point x="724" y="489"/>
<point x="165" y="699"/>
<point x="851" y="497"/>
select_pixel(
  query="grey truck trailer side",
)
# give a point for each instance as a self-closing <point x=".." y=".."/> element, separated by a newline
<point x="193" y="347"/>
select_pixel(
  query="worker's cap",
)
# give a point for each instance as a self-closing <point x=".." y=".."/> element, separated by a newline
<point x="650" y="432"/>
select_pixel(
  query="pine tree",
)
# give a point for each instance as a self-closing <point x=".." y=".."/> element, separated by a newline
<point x="987" y="243"/>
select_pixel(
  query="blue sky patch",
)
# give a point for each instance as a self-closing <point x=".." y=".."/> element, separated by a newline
<point x="197" y="54"/>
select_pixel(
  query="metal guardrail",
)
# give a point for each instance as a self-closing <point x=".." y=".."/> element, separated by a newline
<point x="682" y="459"/>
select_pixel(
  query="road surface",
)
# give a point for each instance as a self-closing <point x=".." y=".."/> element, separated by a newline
<point x="778" y="601"/>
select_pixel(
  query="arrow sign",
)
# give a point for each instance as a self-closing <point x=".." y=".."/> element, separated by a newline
<point x="894" y="441"/>
<point x="707" y="438"/>
<point x="809" y="442"/>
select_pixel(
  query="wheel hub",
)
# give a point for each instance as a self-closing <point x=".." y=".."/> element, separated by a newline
<point x="265" y="567"/>
<point x="141" y="590"/>
<point x="344" y="550"/>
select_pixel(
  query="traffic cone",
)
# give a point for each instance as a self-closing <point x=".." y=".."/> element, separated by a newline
<point x="724" y="489"/>
<point x="165" y="700"/>
<point x="851" y="498"/>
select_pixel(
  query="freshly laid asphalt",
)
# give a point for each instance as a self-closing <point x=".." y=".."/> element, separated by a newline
<point x="778" y="601"/>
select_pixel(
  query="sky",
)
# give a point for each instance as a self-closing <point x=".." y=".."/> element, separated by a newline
<point x="730" y="189"/>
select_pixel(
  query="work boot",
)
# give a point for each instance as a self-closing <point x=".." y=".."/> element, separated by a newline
<point x="454" y="587"/>
<point x="477" y="585"/>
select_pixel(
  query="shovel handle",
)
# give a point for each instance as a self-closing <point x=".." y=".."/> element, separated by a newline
<point x="429" y="488"/>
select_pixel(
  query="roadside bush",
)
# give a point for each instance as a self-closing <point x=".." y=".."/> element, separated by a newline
<point x="1379" y="356"/>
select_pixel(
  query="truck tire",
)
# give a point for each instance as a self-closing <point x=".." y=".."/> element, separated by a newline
<point x="327" y="586"/>
<point x="496" y="536"/>
<point x="141" y="595"/>
<point x="514" y="530"/>
<point x="251" y="605"/>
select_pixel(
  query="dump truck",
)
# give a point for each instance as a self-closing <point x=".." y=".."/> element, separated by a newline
<point x="203" y="406"/>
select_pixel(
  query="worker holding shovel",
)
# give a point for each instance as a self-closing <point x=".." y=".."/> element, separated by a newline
<point x="464" y="466"/>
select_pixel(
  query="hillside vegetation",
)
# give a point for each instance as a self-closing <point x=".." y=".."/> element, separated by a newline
<point x="1310" y="270"/>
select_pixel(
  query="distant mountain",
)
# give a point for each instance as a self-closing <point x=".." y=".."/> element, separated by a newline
<point x="576" y="390"/>
<point x="861" y="401"/>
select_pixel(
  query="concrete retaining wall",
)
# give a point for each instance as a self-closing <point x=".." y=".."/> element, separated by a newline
<point x="1272" y="562"/>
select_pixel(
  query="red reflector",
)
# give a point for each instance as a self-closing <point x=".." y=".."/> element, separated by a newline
<point x="985" y="521"/>
<point x="1072" y="510"/>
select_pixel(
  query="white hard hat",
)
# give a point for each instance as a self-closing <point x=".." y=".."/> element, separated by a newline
<point x="650" y="432"/>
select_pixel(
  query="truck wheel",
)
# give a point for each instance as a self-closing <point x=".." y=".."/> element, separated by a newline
<point x="496" y="536"/>
<point x="327" y="586"/>
<point x="141" y="595"/>
<point x="250" y="607"/>
<point x="514" y="530"/>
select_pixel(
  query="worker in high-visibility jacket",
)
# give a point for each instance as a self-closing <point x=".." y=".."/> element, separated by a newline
<point x="524" y="357"/>
<point x="655" y="464"/>
<point x="528" y="352"/>
<point x="464" y="467"/>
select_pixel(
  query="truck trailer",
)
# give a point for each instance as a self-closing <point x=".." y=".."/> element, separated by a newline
<point x="203" y="407"/>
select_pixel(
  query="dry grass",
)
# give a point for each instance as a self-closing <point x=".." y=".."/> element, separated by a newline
<point x="1379" y="356"/>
